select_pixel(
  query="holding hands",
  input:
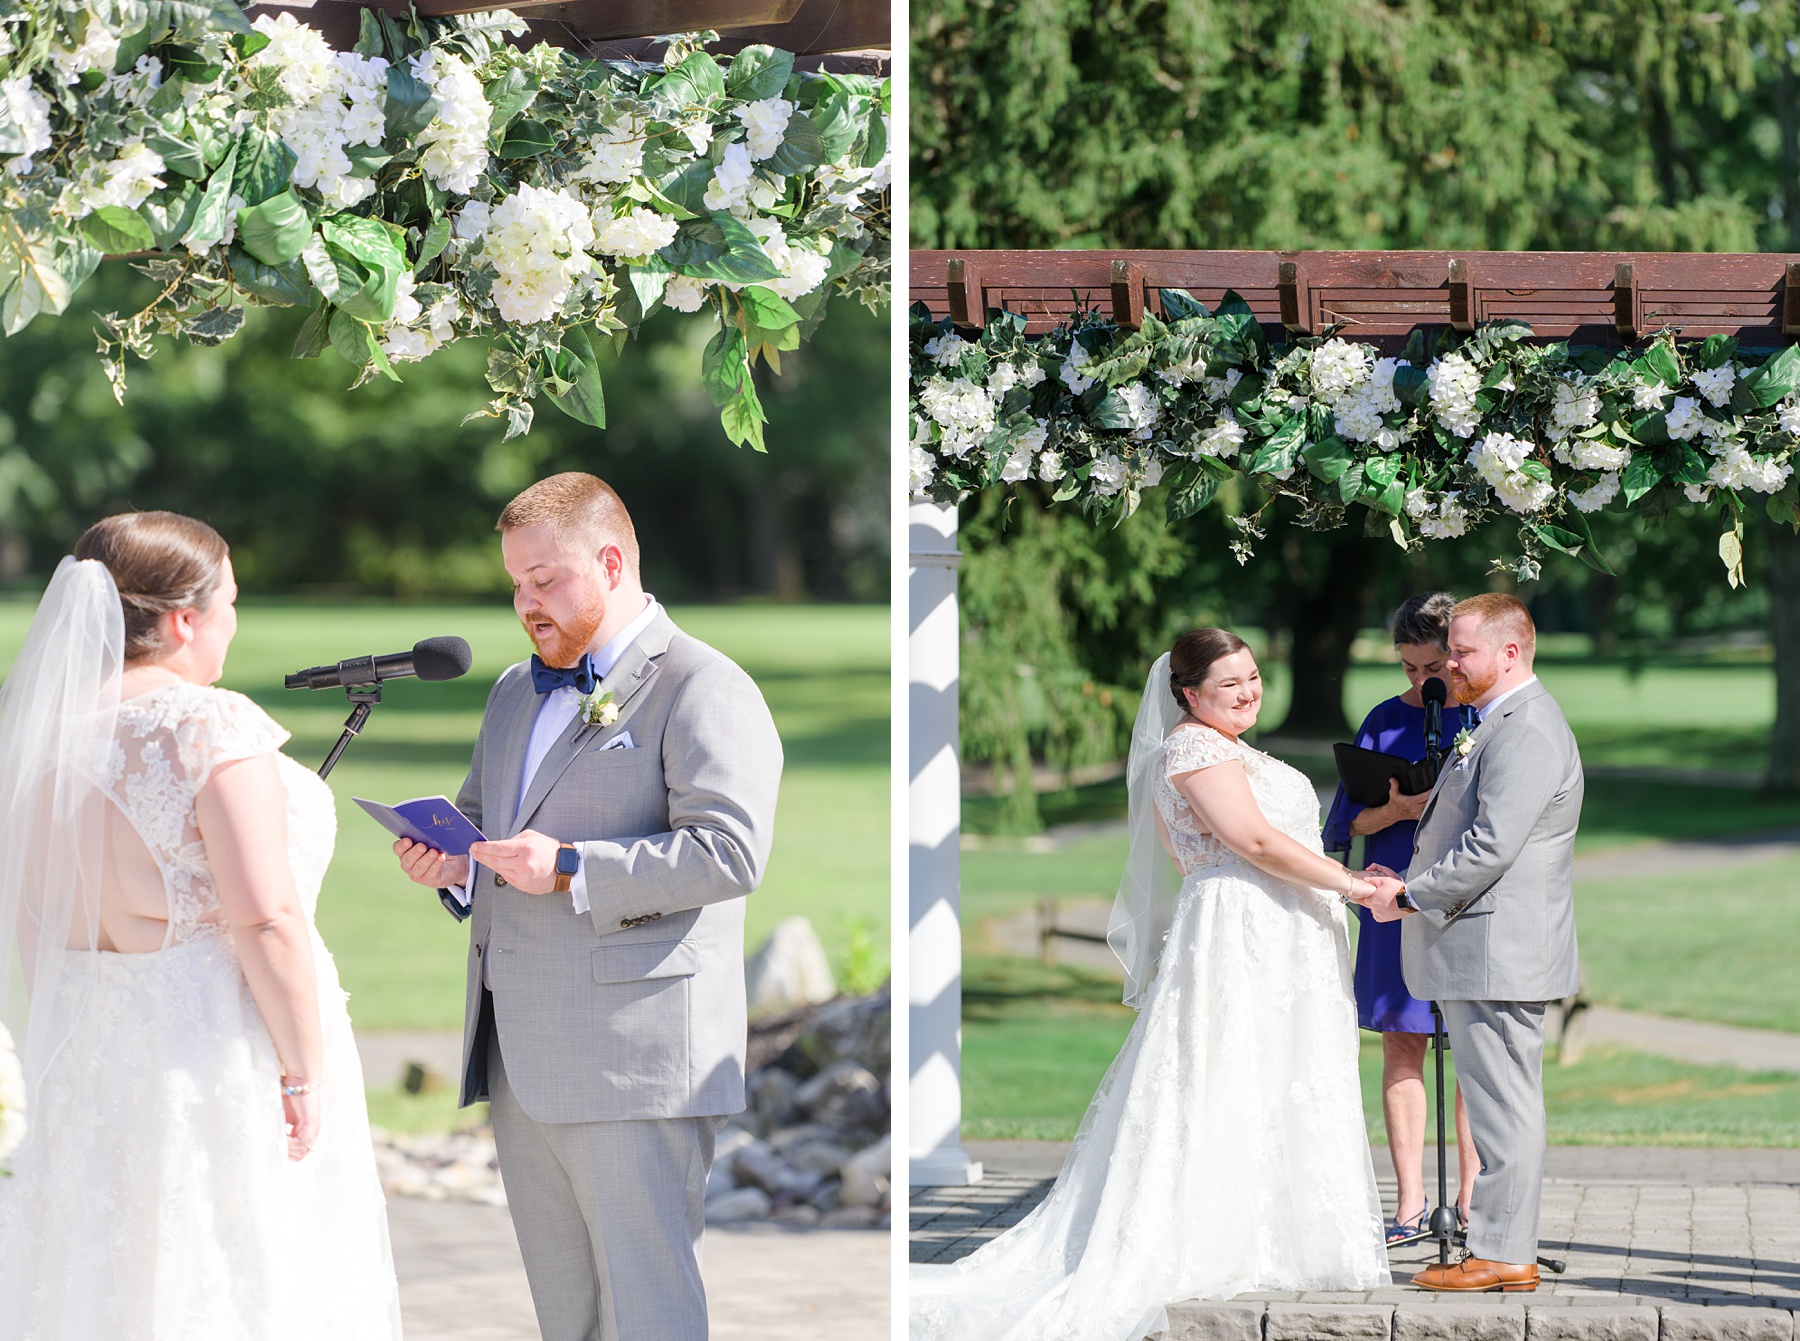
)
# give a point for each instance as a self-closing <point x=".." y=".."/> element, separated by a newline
<point x="1383" y="889"/>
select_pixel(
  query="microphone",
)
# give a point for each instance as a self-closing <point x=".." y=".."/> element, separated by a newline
<point x="1434" y="692"/>
<point x="434" y="659"/>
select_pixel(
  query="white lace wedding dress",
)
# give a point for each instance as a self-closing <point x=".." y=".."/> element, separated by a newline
<point x="156" y="1201"/>
<point x="1225" y="1151"/>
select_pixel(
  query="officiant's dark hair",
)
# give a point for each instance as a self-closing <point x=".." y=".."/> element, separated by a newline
<point x="160" y="561"/>
<point x="1193" y="655"/>
<point x="1424" y="619"/>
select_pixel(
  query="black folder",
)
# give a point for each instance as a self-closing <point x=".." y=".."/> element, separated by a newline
<point x="1366" y="774"/>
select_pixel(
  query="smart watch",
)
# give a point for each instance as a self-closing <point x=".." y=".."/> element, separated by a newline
<point x="568" y="861"/>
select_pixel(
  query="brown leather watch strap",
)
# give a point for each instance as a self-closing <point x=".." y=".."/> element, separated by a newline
<point x="563" y="878"/>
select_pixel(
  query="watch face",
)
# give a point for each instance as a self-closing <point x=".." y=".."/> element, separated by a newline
<point x="568" y="860"/>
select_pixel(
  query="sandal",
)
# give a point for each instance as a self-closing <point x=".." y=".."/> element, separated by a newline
<point x="1414" y="1228"/>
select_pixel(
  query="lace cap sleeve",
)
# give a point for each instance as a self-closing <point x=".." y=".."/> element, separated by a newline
<point x="221" y="727"/>
<point x="1196" y="747"/>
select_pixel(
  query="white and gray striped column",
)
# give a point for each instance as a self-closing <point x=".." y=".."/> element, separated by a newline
<point x="936" y="1157"/>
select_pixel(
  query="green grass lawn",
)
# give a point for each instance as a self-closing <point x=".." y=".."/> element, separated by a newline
<point x="1037" y="1040"/>
<point x="824" y="671"/>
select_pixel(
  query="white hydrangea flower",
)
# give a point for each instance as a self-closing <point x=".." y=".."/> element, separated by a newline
<point x="699" y="135"/>
<point x="1357" y="411"/>
<point x="1017" y="467"/>
<point x="1737" y="469"/>
<point x="1182" y="373"/>
<point x="1450" y="521"/>
<point x="616" y="156"/>
<point x="1218" y="388"/>
<point x="1697" y="493"/>
<point x="1050" y="467"/>
<point x="1140" y="402"/>
<point x="1787" y="418"/>
<point x="1497" y="458"/>
<point x="765" y="123"/>
<point x="1684" y="418"/>
<point x="1337" y="366"/>
<point x="1590" y="454"/>
<point x="920" y="471"/>
<point x="1599" y="495"/>
<point x="730" y="186"/>
<point x="455" y="143"/>
<point x="947" y="350"/>
<point x="684" y="293"/>
<point x="633" y="235"/>
<point x="415" y="333"/>
<point x="472" y="220"/>
<point x="98" y="50"/>
<point x="128" y="181"/>
<point x="1223" y="439"/>
<point x="339" y="99"/>
<point x="537" y="240"/>
<point x="963" y="411"/>
<point x="1648" y="396"/>
<point x="1109" y="476"/>
<point x="1001" y="378"/>
<point x="1071" y="373"/>
<point x="1454" y="380"/>
<point x="802" y="268"/>
<point x="1033" y="439"/>
<point x="27" y="111"/>
<point x="1715" y="383"/>
<point x="1576" y="407"/>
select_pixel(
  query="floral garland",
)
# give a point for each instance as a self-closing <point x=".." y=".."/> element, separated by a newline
<point x="1456" y="431"/>
<point x="434" y="184"/>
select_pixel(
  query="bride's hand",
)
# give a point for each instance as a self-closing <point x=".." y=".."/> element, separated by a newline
<point x="301" y="1113"/>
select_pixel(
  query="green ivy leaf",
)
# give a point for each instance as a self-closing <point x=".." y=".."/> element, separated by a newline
<point x="527" y="139"/>
<point x="686" y="189"/>
<point x="743" y="418"/>
<point x="836" y="125"/>
<point x="354" y="339"/>
<point x="275" y="231"/>
<point x="1590" y="552"/>
<point x="758" y="73"/>
<point x="284" y="285"/>
<point x="1189" y="493"/>
<point x="1714" y="351"/>
<point x="367" y="159"/>
<point x="245" y="44"/>
<point x="742" y="261"/>
<point x="180" y="156"/>
<point x="1775" y="380"/>
<point x="767" y="309"/>
<point x="117" y="231"/>
<point x="697" y="79"/>
<point x="575" y="368"/>
<point x="1282" y="449"/>
<point x="214" y="211"/>
<point x="315" y="332"/>
<point x="432" y="245"/>
<point x="410" y="106"/>
<point x="214" y="325"/>
<point x="801" y="148"/>
<point x="724" y="366"/>
<point x="1328" y="458"/>
<point x="1640" y="477"/>
<point x="508" y="96"/>
<point x="877" y="145"/>
<point x="1180" y="305"/>
<point x="1108" y="409"/>
<point x="1412" y="387"/>
<point x="170" y="213"/>
<point x="264" y="167"/>
<point x="1784" y="506"/>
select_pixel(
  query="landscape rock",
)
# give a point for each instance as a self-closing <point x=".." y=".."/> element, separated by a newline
<point x="746" y="1203"/>
<point x="845" y="1095"/>
<point x="1590" y="1323"/>
<point x="853" y="1217"/>
<point x="1214" y="1322"/>
<point x="855" y="1029"/>
<point x="867" y="1176"/>
<point x="1459" y="1320"/>
<point x="440" y="1166"/>
<point x="1726" y="1323"/>
<point x="790" y="969"/>
<point x="772" y="1098"/>
<point x="759" y="1166"/>
<point x="1336" y="1322"/>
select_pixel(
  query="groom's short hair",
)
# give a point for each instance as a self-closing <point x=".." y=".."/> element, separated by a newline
<point x="582" y="511"/>
<point x="1502" y="615"/>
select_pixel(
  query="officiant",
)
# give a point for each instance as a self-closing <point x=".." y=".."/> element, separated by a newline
<point x="1383" y="1005"/>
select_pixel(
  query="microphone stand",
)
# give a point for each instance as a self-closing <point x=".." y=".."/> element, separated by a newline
<point x="363" y="698"/>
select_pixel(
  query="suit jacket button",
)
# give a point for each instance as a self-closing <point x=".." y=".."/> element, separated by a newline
<point x="499" y="882"/>
<point x="656" y="917"/>
<point x="625" y="922"/>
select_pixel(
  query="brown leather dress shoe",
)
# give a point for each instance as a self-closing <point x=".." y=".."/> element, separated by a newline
<point x="1476" y="1274"/>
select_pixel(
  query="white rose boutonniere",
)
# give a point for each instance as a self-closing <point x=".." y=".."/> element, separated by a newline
<point x="1464" y="742"/>
<point x="598" y="708"/>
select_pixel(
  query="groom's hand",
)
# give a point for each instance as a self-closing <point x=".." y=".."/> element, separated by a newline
<point x="526" y="861"/>
<point x="429" y="867"/>
<point x="1387" y="890"/>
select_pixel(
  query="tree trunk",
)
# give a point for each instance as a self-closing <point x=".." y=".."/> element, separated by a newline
<point x="1784" y="632"/>
<point x="1324" y="618"/>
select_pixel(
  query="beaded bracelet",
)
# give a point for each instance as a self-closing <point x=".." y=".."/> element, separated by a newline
<point x="294" y="1091"/>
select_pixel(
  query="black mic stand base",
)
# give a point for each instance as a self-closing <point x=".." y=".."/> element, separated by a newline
<point x="364" y="697"/>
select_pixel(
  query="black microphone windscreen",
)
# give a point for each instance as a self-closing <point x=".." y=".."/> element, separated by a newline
<point x="1433" y="691"/>
<point x="441" y="658"/>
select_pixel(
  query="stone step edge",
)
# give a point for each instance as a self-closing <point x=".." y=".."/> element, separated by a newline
<point x="1491" y="1317"/>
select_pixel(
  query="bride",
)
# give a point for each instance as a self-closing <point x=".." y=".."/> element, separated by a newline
<point x="1226" y="1150"/>
<point x="198" y="1166"/>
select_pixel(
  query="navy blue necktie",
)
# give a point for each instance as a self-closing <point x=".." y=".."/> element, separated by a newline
<point x="582" y="676"/>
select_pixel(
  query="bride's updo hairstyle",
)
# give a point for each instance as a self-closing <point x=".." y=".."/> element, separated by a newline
<point x="1193" y="655"/>
<point x="160" y="561"/>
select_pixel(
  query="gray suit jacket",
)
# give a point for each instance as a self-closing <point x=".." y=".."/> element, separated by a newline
<point x="1493" y="865"/>
<point x="636" y="1009"/>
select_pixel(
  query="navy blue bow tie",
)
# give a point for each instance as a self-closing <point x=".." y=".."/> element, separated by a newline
<point x="582" y="676"/>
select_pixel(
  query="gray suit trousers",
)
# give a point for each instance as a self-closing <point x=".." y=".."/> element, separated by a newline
<point x="1499" y="1051"/>
<point x="631" y="1273"/>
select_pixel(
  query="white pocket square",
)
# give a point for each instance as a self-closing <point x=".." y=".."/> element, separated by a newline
<point x="622" y="741"/>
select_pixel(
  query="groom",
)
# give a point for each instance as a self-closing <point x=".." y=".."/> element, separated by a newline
<point x="1491" y="935"/>
<point x="626" y="778"/>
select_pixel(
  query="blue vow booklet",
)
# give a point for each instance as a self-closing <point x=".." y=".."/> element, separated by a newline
<point x="431" y="820"/>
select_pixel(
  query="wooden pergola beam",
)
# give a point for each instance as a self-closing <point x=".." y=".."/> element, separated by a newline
<point x="848" y="35"/>
<point x="1601" y="298"/>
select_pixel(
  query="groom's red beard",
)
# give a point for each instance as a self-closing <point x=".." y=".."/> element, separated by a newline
<point x="565" y="643"/>
<point x="1469" y="689"/>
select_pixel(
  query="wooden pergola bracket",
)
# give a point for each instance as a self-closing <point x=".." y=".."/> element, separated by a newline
<point x="1462" y="304"/>
<point x="1127" y="293"/>
<point x="968" y="310"/>
<point x="1295" y="298"/>
<point x="1790" y="300"/>
<point x="1628" y="318"/>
